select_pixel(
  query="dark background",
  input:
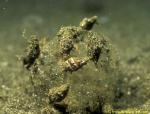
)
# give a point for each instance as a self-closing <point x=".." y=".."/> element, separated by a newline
<point x="124" y="22"/>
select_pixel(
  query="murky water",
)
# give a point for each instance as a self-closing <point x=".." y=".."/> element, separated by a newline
<point x="124" y="22"/>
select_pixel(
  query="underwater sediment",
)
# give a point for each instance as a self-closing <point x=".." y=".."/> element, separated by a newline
<point x="78" y="72"/>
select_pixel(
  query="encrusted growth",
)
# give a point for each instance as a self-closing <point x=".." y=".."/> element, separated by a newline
<point x="96" y="45"/>
<point x="75" y="48"/>
<point x="57" y="94"/>
<point x="33" y="52"/>
<point x="68" y="37"/>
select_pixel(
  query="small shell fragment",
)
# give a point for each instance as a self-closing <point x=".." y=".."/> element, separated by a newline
<point x="87" y="23"/>
<point x="57" y="94"/>
<point x="73" y="64"/>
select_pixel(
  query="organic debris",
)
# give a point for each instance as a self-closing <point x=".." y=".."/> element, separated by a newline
<point x="65" y="81"/>
<point x="33" y="52"/>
